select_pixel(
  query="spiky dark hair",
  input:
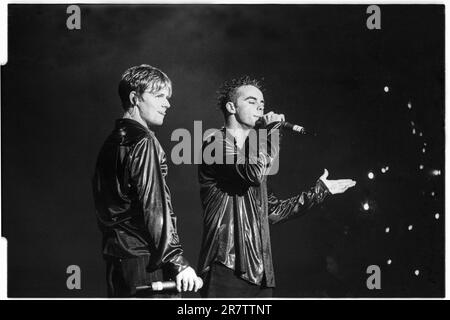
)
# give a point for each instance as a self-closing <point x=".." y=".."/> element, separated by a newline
<point x="227" y="91"/>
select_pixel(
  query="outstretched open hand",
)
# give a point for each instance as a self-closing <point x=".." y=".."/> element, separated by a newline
<point x="336" y="186"/>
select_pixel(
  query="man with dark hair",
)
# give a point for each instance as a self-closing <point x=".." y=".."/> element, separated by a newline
<point x="133" y="204"/>
<point x="235" y="258"/>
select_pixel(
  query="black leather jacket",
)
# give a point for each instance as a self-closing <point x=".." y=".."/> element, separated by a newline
<point x="238" y="209"/>
<point x="132" y="198"/>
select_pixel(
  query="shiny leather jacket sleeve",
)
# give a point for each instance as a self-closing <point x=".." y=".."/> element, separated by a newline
<point x="147" y="169"/>
<point x="282" y="210"/>
<point x="251" y="165"/>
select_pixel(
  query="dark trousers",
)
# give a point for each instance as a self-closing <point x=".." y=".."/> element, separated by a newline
<point x="222" y="282"/>
<point x="124" y="275"/>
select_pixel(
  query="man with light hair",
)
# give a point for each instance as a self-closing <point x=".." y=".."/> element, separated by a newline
<point x="133" y="203"/>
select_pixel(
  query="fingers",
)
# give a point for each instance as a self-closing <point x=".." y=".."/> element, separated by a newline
<point x="185" y="284"/>
<point x="344" y="182"/>
<point x="198" y="284"/>
<point x="268" y="117"/>
<point x="178" y="279"/>
<point x="182" y="280"/>
<point x="340" y="186"/>
<point x="340" y="182"/>
<point x="187" y="280"/>
<point x="347" y="183"/>
<point x="344" y="185"/>
<point x="190" y="284"/>
<point x="273" y="117"/>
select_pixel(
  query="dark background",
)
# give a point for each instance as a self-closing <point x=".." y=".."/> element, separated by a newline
<point x="322" y="68"/>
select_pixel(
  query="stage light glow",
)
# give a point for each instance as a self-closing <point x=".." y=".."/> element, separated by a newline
<point x="432" y="193"/>
<point x="371" y="175"/>
<point x="387" y="230"/>
<point x="366" y="206"/>
<point x="420" y="134"/>
<point x="409" y="105"/>
<point x="423" y="150"/>
<point x="412" y="123"/>
<point x="386" y="89"/>
<point x="413" y="131"/>
<point x="436" y="172"/>
<point x="417" y="272"/>
<point x="389" y="261"/>
<point x="421" y="167"/>
<point x="410" y="227"/>
<point x="436" y="216"/>
<point x="383" y="170"/>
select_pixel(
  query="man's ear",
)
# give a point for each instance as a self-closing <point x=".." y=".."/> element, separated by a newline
<point x="134" y="98"/>
<point x="231" y="108"/>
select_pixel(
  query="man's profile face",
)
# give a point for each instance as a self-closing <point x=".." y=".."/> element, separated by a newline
<point x="153" y="106"/>
<point x="249" y="105"/>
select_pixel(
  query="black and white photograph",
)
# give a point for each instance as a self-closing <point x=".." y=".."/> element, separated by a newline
<point x="228" y="150"/>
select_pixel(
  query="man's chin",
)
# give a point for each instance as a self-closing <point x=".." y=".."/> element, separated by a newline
<point x="156" y="123"/>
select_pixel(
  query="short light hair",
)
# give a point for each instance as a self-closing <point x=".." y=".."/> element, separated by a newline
<point x="228" y="90"/>
<point x="142" y="78"/>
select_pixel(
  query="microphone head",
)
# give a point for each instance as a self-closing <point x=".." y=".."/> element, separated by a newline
<point x="157" y="286"/>
<point x="298" y="129"/>
<point x="293" y="127"/>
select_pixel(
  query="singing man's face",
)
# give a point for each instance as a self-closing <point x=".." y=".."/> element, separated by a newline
<point x="153" y="106"/>
<point x="249" y="104"/>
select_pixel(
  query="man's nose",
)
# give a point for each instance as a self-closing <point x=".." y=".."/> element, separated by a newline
<point x="166" y="104"/>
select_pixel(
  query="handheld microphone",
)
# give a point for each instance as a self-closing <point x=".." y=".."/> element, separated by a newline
<point x="159" y="286"/>
<point x="289" y="126"/>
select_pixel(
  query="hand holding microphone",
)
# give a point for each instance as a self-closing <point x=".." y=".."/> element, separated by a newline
<point x="271" y="117"/>
<point x="159" y="286"/>
<point x="186" y="280"/>
<point x="164" y="286"/>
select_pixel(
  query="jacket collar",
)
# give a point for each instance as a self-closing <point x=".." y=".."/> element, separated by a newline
<point x="130" y="129"/>
<point x="130" y="123"/>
